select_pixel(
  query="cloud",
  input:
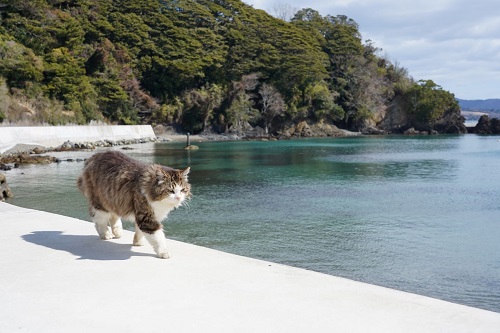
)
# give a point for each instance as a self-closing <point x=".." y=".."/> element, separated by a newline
<point x="456" y="43"/>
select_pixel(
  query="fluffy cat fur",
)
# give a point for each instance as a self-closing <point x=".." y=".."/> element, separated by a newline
<point x="118" y="186"/>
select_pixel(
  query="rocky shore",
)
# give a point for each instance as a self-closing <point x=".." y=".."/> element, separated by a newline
<point x="34" y="154"/>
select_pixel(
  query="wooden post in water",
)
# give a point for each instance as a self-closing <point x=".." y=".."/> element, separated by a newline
<point x="189" y="146"/>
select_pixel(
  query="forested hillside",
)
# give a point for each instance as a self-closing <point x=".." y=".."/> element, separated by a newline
<point x="201" y="66"/>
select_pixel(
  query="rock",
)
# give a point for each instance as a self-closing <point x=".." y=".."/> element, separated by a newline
<point x="26" y="158"/>
<point x="411" y="131"/>
<point x="242" y="130"/>
<point x="159" y="129"/>
<point x="38" y="151"/>
<point x="495" y="126"/>
<point x="303" y="129"/>
<point x="312" y="129"/>
<point x="452" y="122"/>
<point x="5" y="167"/>
<point x="5" y="191"/>
<point x="371" y="130"/>
<point x="485" y="125"/>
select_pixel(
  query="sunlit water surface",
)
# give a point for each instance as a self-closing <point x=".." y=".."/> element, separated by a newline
<point x="419" y="214"/>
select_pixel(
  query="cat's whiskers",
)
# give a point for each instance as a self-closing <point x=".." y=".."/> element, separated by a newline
<point x="185" y="203"/>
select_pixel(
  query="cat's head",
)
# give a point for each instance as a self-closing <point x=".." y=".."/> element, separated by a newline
<point x="164" y="183"/>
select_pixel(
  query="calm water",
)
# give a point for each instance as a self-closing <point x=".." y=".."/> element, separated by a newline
<point x="419" y="214"/>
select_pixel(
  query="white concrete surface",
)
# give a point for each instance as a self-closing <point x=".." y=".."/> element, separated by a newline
<point x="53" y="136"/>
<point x="58" y="276"/>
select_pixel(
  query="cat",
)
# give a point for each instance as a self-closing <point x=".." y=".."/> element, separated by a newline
<point x="118" y="186"/>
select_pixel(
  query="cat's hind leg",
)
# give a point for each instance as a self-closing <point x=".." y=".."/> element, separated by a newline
<point x="101" y="219"/>
<point x="116" y="225"/>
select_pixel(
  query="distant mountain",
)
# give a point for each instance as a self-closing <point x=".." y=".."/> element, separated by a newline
<point x="479" y="104"/>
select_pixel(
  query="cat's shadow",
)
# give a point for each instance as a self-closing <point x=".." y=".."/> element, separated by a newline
<point x="85" y="247"/>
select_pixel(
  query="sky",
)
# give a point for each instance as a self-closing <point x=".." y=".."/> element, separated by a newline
<point x="455" y="43"/>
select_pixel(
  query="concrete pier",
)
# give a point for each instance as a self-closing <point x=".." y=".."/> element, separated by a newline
<point x="52" y="136"/>
<point x="58" y="276"/>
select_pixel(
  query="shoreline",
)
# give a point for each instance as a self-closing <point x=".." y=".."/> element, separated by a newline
<point x="17" y="139"/>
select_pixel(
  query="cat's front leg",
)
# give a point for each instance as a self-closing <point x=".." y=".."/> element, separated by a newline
<point x="159" y="243"/>
<point x="150" y="227"/>
<point x="138" y="237"/>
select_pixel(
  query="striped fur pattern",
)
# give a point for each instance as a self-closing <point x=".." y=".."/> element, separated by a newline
<point x="117" y="186"/>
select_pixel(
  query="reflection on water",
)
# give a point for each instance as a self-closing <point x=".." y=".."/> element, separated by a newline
<point x="414" y="213"/>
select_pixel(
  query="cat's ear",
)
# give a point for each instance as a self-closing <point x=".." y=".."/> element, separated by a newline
<point x="160" y="175"/>
<point x="185" y="172"/>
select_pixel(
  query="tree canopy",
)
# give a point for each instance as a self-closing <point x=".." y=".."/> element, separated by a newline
<point x="200" y="65"/>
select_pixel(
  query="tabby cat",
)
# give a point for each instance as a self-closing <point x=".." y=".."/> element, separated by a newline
<point x="118" y="186"/>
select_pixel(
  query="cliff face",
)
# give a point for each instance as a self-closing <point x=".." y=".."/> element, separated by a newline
<point x="396" y="118"/>
<point x="451" y="123"/>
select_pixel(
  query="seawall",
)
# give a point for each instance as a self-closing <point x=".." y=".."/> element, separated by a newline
<point x="53" y="136"/>
<point x="59" y="276"/>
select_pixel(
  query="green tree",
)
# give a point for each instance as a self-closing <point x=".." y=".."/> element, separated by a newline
<point x="199" y="107"/>
<point x="321" y="102"/>
<point x="65" y="79"/>
<point x="428" y="103"/>
<point x="18" y="64"/>
<point x="340" y="40"/>
<point x="237" y="108"/>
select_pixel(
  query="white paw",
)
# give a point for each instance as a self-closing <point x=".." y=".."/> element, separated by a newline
<point x="117" y="232"/>
<point x="138" y="239"/>
<point x="139" y="242"/>
<point x="107" y="235"/>
<point x="163" y="254"/>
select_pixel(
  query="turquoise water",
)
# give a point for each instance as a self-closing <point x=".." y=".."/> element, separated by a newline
<point x="419" y="214"/>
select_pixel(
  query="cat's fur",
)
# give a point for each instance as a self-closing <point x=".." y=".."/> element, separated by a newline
<point x="118" y="186"/>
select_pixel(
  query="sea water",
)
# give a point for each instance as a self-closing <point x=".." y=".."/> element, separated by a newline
<point x="415" y="213"/>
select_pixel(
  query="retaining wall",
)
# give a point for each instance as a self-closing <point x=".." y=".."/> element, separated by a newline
<point x="53" y="136"/>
